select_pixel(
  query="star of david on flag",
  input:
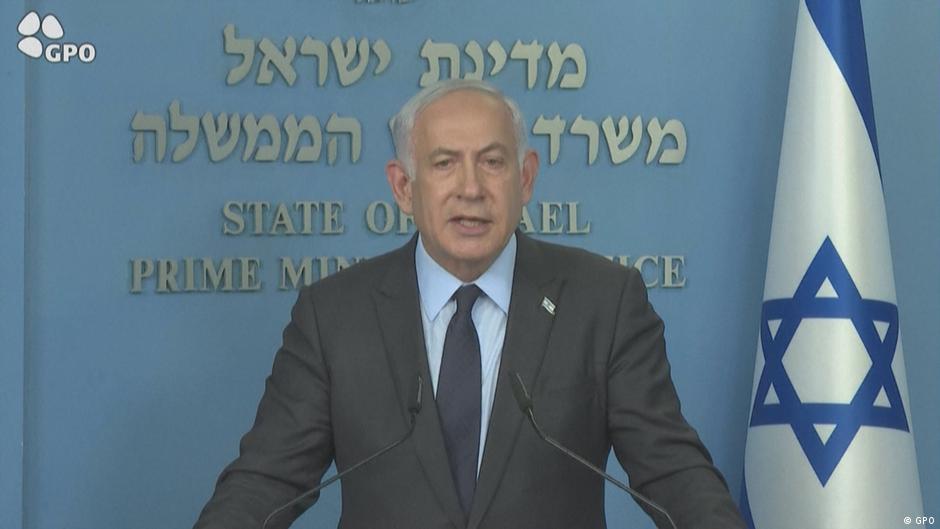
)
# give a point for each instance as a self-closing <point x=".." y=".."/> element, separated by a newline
<point x="877" y="402"/>
<point x="829" y="441"/>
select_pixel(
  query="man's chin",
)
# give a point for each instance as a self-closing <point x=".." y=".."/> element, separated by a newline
<point x="471" y="259"/>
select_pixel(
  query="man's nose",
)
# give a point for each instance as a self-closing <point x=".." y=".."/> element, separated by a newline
<point x="470" y="183"/>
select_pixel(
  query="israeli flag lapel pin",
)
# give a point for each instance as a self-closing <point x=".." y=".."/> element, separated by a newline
<point x="548" y="306"/>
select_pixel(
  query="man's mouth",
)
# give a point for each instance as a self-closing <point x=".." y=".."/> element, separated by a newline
<point x="470" y="222"/>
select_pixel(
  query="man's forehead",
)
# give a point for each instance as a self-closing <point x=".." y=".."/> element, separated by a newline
<point x="448" y="114"/>
<point x="461" y="97"/>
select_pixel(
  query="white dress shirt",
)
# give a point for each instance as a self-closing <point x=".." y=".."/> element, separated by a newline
<point x="435" y="287"/>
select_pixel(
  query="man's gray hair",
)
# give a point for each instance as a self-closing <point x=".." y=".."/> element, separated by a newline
<point x="403" y="123"/>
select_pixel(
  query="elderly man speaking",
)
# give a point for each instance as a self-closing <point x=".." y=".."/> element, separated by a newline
<point x="465" y="306"/>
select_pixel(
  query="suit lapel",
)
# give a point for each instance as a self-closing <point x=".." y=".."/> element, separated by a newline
<point x="528" y="329"/>
<point x="400" y="320"/>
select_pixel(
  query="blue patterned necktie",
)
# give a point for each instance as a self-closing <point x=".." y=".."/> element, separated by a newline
<point x="459" y="395"/>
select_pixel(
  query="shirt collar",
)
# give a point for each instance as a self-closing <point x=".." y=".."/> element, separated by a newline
<point x="436" y="285"/>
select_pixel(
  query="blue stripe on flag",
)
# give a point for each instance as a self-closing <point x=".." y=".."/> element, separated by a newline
<point x="840" y="24"/>
<point x="745" y="503"/>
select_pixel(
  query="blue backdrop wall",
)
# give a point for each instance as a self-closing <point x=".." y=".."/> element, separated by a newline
<point x="121" y="403"/>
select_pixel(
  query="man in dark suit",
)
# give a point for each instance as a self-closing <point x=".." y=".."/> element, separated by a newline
<point x="466" y="302"/>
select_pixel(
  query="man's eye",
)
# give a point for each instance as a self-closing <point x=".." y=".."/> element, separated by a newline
<point x="443" y="164"/>
<point x="494" y="163"/>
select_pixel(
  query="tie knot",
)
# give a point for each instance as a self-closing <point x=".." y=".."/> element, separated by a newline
<point x="466" y="296"/>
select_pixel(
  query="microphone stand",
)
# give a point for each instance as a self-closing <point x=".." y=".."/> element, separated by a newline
<point x="414" y="409"/>
<point x="524" y="400"/>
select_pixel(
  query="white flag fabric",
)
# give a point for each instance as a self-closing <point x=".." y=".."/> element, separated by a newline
<point x="829" y="443"/>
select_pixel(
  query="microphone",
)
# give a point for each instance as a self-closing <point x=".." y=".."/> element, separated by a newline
<point x="524" y="400"/>
<point x="414" y="409"/>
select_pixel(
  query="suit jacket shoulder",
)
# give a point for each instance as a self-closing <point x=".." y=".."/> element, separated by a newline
<point x="365" y="276"/>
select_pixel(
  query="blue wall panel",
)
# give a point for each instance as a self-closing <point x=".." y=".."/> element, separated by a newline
<point x="138" y="400"/>
<point x="12" y="259"/>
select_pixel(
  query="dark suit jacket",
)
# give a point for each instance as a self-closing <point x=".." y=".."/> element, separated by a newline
<point x="344" y="377"/>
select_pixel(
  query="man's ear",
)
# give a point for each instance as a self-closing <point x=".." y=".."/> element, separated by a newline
<point x="400" y="183"/>
<point x="530" y="168"/>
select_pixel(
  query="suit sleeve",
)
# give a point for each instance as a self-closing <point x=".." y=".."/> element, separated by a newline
<point x="289" y="447"/>
<point x="661" y="453"/>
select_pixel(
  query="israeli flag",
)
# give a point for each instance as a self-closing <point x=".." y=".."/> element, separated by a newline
<point x="829" y="442"/>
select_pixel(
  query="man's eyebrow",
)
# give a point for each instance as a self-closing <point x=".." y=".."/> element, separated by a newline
<point x="442" y="151"/>
<point x="495" y="146"/>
